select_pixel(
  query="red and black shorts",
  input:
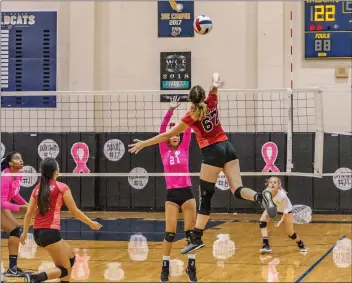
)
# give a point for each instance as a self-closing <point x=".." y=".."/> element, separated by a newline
<point x="218" y="154"/>
<point x="44" y="236"/>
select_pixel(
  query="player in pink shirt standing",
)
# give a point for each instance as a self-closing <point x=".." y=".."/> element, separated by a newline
<point x="10" y="188"/>
<point x="175" y="154"/>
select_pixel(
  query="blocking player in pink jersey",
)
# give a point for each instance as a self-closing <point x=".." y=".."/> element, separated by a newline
<point x="46" y="201"/>
<point x="218" y="155"/>
<point x="175" y="154"/>
<point x="10" y="188"/>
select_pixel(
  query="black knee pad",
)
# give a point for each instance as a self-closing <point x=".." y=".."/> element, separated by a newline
<point x="293" y="236"/>
<point x="238" y="193"/>
<point x="64" y="271"/>
<point x="169" y="236"/>
<point x="16" y="232"/>
<point x="72" y="261"/>
<point x="207" y="191"/>
<point x="262" y="224"/>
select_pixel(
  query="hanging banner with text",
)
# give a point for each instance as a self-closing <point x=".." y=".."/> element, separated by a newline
<point x="175" y="70"/>
<point x="175" y="18"/>
<point x="28" y="58"/>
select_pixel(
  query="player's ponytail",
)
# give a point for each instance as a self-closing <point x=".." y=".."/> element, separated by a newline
<point x="198" y="109"/>
<point x="48" y="168"/>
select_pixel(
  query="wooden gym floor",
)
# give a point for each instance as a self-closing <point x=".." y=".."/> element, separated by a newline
<point x="111" y="255"/>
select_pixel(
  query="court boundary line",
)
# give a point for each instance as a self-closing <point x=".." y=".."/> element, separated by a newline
<point x="314" y="265"/>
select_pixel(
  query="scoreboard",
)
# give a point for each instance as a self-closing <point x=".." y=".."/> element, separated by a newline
<point x="328" y="29"/>
<point x="28" y="51"/>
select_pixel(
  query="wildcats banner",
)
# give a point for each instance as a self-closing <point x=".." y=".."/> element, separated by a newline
<point x="28" y="51"/>
<point x="175" y="18"/>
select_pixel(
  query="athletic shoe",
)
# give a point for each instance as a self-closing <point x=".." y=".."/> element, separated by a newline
<point x="192" y="274"/>
<point x="265" y="249"/>
<point x="165" y="272"/>
<point x="268" y="204"/>
<point x="302" y="248"/>
<point x="14" y="272"/>
<point x="31" y="278"/>
<point x="27" y="278"/>
<point x="194" y="244"/>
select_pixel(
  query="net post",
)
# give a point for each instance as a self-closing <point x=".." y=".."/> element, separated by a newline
<point x="319" y="133"/>
<point x="289" y="164"/>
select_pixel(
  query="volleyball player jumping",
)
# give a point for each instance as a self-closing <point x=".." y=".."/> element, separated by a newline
<point x="10" y="188"/>
<point x="175" y="154"/>
<point x="46" y="202"/>
<point x="284" y="207"/>
<point x="218" y="155"/>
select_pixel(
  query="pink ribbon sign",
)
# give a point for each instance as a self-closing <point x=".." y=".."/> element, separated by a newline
<point x="269" y="153"/>
<point x="80" y="154"/>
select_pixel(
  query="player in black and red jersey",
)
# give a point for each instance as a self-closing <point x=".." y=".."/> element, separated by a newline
<point x="218" y="155"/>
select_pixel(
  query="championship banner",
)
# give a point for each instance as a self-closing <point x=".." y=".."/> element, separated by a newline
<point x="175" y="70"/>
<point x="29" y="56"/>
<point x="175" y="18"/>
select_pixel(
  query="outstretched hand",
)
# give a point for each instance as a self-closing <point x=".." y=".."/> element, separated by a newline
<point x="217" y="83"/>
<point x="174" y="103"/>
<point x="136" y="147"/>
<point x="23" y="238"/>
<point x="278" y="224"/>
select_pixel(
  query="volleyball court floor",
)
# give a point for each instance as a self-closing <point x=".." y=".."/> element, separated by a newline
<point x="129" y="249"/>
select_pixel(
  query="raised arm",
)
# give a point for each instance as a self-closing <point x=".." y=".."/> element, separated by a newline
<point x="163" y="147"/>
<point x="5" y="187"/>
<point x="186" y="140"/>
<point x="216" y="84"/>
<point x="139" y="145"/>
<point x="166" y="121"/>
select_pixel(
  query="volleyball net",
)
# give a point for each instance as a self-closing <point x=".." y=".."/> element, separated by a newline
<point x="267" y="127"/>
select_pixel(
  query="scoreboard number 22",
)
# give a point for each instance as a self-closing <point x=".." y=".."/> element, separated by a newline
<point x="323" y="13"/>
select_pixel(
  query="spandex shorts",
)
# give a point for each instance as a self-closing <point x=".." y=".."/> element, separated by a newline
<point x="45" y="237"/>
<point x="218" y="154"/>
<point x="179" y="196"/>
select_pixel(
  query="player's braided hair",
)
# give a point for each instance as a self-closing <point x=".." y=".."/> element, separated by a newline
<point x="5" y="163"/>
<point x="198" y="109"/>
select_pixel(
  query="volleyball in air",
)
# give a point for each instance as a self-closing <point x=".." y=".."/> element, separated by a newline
<point x="203" y="24"/>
